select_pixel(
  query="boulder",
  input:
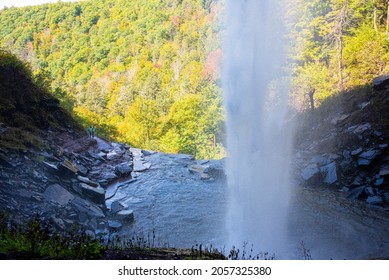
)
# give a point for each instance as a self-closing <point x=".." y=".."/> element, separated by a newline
<point x="321" y="160"/>
<point x="52" y="168"/>
<point x="117" y="206"/>
<point x="147" y="153"/>
<point x="196" y="168"/>
<point x="126" y="215"/>
<point x="379" y="181"/>
<point x="140" y="166"/>
<point x="310" y="172"/>
<point x="107" y="179"/>
<point x="357" y="193"/>
<point x="329" y="173"/>
<point x="67" y="169"/>
<point x="94" y="194"/>
<point x="356" y="151"/>
<point x="383" y="146"/>
<point x="96" y="156"/>
<point x="112" y="155"/>
<point x="368" y="156"/>
<point x="87" y="181"/>
<point x="87" y="208"/>
<point x="358" y="129"/>
<point x="376" y="200"/>
<point x="359" y="180"/>
<point x="384" y="171"/>
<point x="215" y="169"/>
<point x="339" y="118"/>
<point x="369" y="191"/>
<point x="381" y="82"/>
<point x="114" y="225"/>
<point x="58" y="194"/>
<point x="82" y="170"/>
<point x="123" y="169"/>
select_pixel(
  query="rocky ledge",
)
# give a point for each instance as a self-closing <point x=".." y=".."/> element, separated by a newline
<point x="67" y="184"/>
<point x="348" y="150"/>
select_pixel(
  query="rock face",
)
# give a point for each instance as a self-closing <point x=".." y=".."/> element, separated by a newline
<point x="381" y="83"/>
<point x="95" y="194"/>
<point x="209" y="170"/>
<point x="123" y="169"/>
<point x="310" y="172"/>
<point x="329" y="172"/>
<point x="348" y="155"/>
<point x="67" y="184"/>
<point x="126" y="215"/>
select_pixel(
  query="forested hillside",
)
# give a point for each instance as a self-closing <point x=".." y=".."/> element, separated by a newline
<point x="148" y="71"/>
<point x="144" y="72"/>
<point x="338" y="45"/>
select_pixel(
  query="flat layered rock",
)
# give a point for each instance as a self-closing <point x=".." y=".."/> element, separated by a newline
<point x="58" y="194"/>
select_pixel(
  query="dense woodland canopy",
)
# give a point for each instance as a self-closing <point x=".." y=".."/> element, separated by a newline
<point x="338" y="45"/>
<point x="148" y="71"/>
<point x="143" y="71"/>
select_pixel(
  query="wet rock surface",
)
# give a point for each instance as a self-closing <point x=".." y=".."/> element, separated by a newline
<point x="85" y="182"/>
<point x="65" y="184"/>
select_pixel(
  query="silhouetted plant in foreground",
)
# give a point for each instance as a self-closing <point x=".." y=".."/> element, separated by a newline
<point x="37" y="240"/>
<point x="245" y="254"/>
<point x="306" y="254"/>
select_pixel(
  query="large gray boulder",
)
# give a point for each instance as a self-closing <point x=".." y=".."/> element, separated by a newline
<point x="87" y="181"/>
<point x="117" y="206"/>
<point x="329" y="173"/>
<point x="88" y="208"/>
<point x="58" y="194"/>
<point x="215" y="169"/>
<point x="374" y="200"/>
<point x="95" y="194"/>
<point x="123" y="169"/>
<point x="368" y="156"/>
<point x="126" y="215"/>
<point x="310" y="173"/>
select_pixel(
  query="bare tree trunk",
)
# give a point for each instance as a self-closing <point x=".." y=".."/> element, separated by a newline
<point x="340" y="62"/>
<point x="375" y="15"/>
<point x="311" y="99"/>
<point x="339" y="40"/>
<point x="387" y="22"/>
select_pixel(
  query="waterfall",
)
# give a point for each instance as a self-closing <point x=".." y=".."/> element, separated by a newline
<point x="258" y="138"/>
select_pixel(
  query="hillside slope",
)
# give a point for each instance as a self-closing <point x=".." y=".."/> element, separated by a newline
<point x="129" y="67"/>
<point x="343" y="145"/>
<point x="26" y="110"/>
